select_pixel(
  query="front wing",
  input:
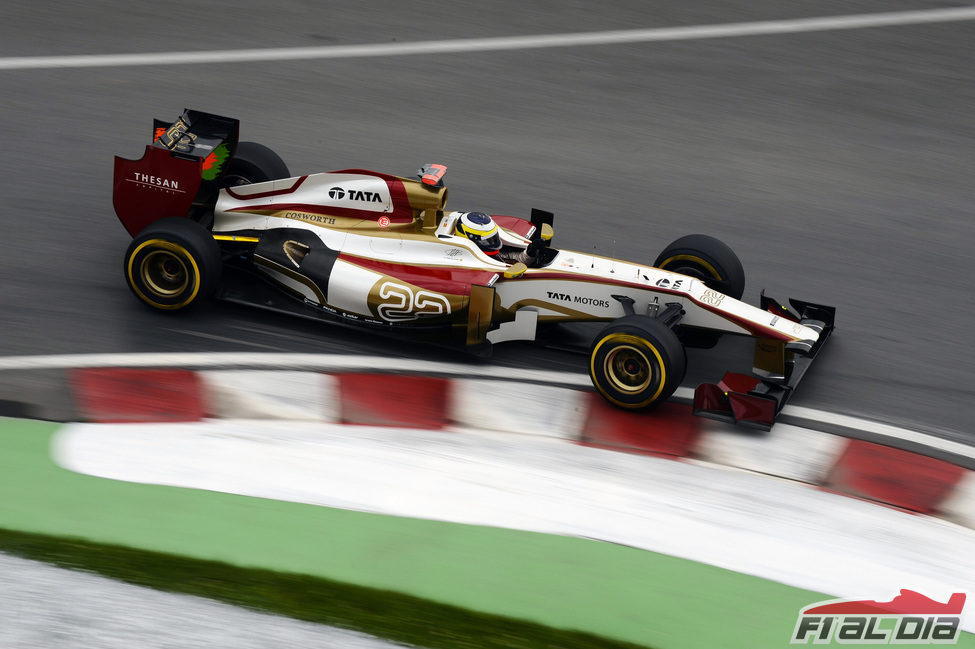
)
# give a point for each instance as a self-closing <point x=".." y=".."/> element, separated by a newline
<point x="756" y="400"/>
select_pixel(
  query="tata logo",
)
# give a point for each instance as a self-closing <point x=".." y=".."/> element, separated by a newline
<point x="559" y="296"/>
<point x="354" y="195"/>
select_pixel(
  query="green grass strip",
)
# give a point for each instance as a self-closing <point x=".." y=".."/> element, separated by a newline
<point x="382" y="613"/>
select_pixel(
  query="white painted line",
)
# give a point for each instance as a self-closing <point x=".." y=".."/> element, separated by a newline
<point x="881" y="430"/>
<point x="770" y="528"/>
<point x="317" y="362"/>
<point x="693" y="32"/>
<point x="683" y="394"/>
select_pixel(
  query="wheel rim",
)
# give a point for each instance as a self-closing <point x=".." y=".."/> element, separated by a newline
<point x="164" y="273"/>
<point x="628" y="369"/>
<point x="234" y="180"/>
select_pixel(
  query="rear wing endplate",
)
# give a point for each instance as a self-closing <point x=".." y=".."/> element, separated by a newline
<point x="178" y="174"/>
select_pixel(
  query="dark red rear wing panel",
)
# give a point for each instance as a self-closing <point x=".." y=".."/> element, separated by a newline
<point x="179" y="174"/>
<point x="157" y="185"/>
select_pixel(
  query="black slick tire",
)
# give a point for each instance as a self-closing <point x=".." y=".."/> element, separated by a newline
<point x="254" y="163"/>
<point x="173" y="264"/>
<point x="636" y="362"/>
<point x="707" y="259"/>
<point x="714" y="263"/>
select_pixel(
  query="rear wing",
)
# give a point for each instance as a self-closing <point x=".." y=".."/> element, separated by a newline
<point x="179" y="173"/>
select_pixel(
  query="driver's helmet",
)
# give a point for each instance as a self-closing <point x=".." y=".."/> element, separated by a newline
<point x="482" y="230"/>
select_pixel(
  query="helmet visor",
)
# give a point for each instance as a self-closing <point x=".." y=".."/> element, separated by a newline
<point x="490" y="244"/>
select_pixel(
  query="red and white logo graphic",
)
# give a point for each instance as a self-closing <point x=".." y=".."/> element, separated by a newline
<point x="908" y="618"/>
<point x="384" y="221"/>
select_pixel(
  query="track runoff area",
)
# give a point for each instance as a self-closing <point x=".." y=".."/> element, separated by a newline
<point x="661" y="545"/>
<point x="736" y="532"/>
<point x="813" y="621"/>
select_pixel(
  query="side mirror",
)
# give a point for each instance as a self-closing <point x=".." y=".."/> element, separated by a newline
<point x="547" y="232"/>
<point x="515" y="270"/>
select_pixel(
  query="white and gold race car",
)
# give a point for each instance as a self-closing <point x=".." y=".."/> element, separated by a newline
<point x="211" y="215"/>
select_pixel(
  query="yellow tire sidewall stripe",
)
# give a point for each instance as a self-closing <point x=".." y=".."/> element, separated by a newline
<point x="176" y="249"/>
<point x="640" y="343"/>
<point x="697" y="260"/>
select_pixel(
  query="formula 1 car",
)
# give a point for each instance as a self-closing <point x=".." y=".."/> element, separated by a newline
<point x="210" y="214"/>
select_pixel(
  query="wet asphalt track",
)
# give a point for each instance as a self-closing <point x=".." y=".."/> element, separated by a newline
<point x="838" y="165"/>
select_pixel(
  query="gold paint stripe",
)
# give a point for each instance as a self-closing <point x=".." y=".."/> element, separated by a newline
<point x="480" y="310"/>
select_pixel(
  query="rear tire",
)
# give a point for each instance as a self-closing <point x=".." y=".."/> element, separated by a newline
<point x="254" y="163"/>
<point x="636" y="362"/>
<point x="173" y="264"/>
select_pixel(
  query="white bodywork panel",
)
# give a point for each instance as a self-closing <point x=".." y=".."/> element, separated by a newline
<point x="574" y="286"/>
<point x="344" y="191"/>
<point x="349" y="191"/>
<point x="586" y="292"/>
<point x="349" y="286"/>
<point x="521" y="328"/>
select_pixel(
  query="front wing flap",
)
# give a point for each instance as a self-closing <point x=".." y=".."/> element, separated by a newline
<point x="755" y="401"/>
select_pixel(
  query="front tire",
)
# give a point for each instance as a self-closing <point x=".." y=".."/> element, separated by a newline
<point x="714" y="263"/>
<point x="173" y="264"/>
<point x="708" y="259"/>
<point x="636" y="362"/>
